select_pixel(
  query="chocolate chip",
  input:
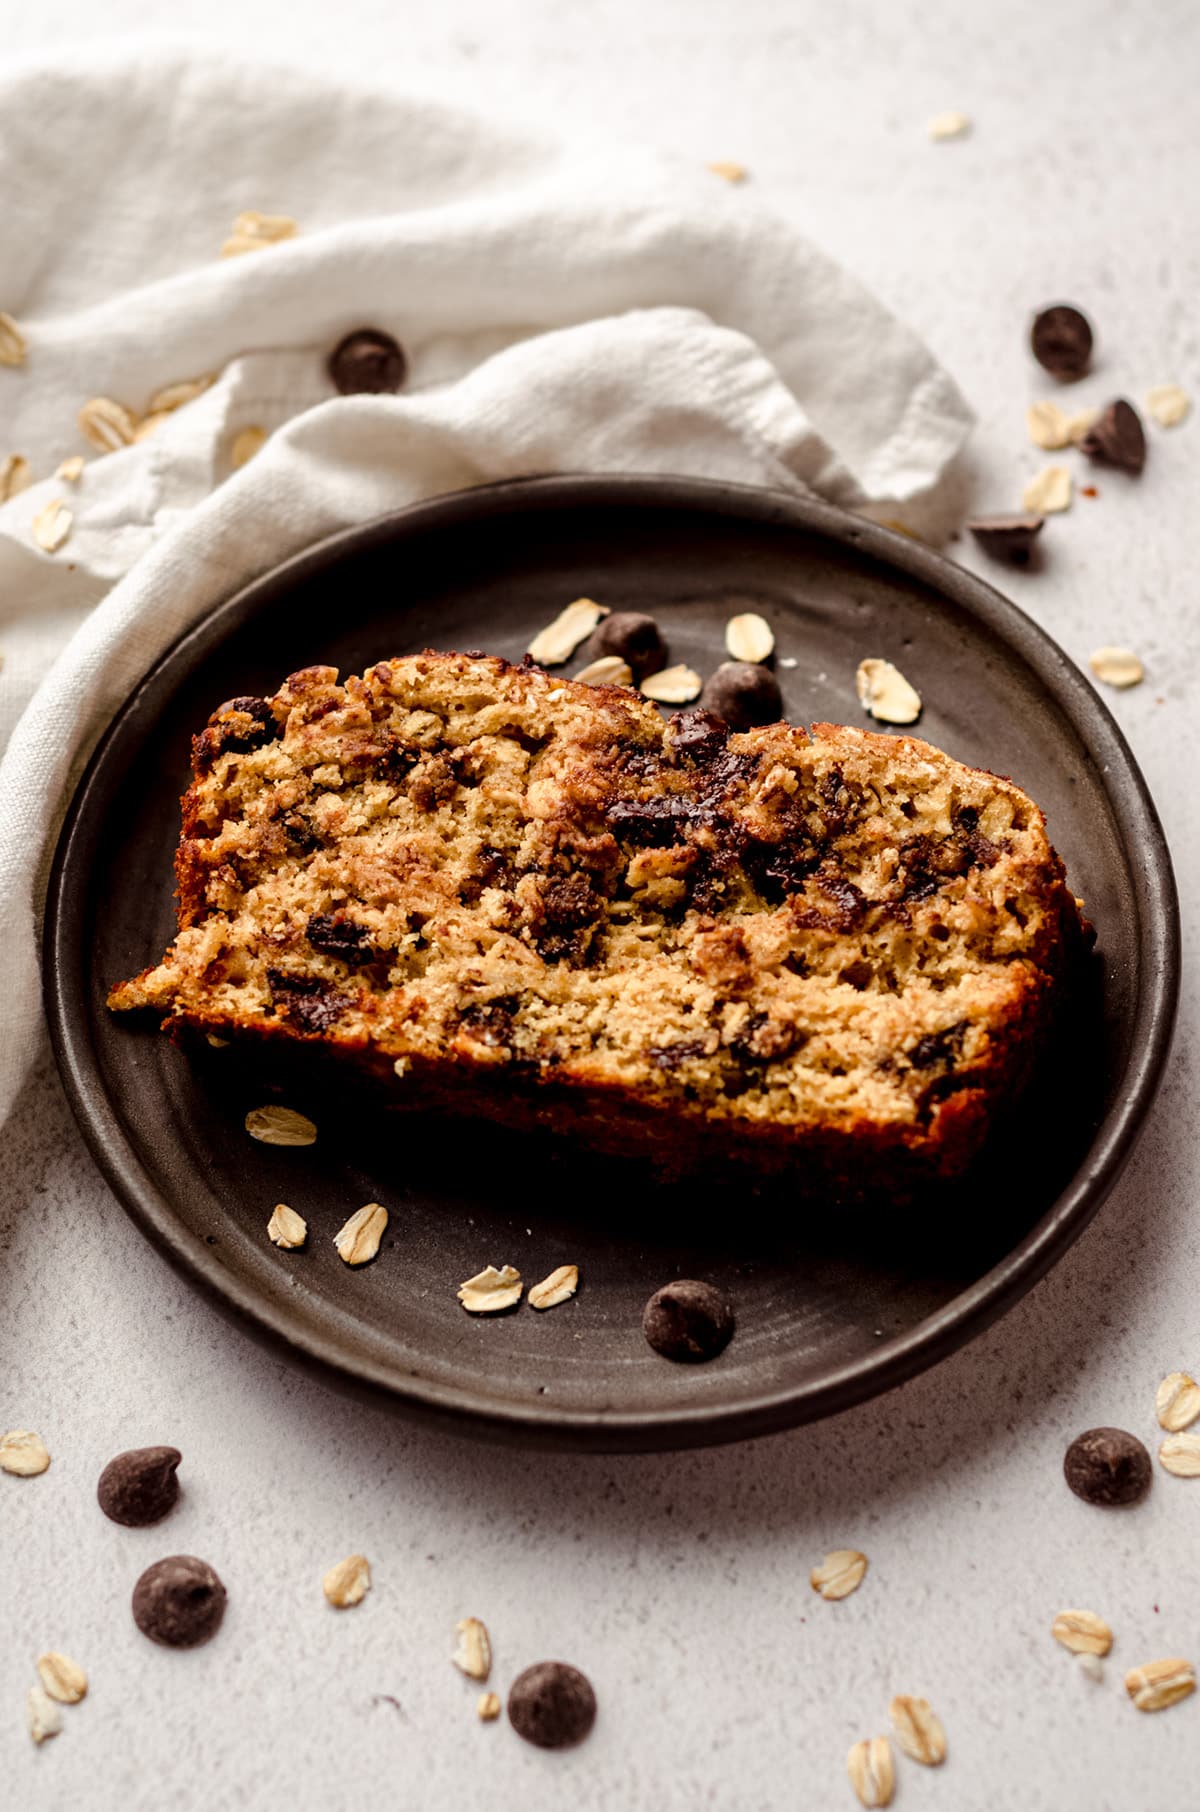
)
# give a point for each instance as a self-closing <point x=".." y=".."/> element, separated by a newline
<point x="660" y="819"/>
<point x="1008" y="538"/>
<point x="490" y="1022"/>
<point x="937" y="1047"/>
<point x="306" y="1000"/>
<point x="569" y="902"/>
<point x="552" y="1705"/>
<point x="237" y="726"/>
<point x="743" y="694"/>
<point x="1117" y="437"/>
<point x="1061" y="341"/>
<point x="179" y="1602"/>
<point x="139" y="1487"/>
<point x="846" y="899"/>
<point x="340" y="937"/>
<point x="696" y="735"/>
<point x="299" y="832"/>
<point x="256" y="708"/>
<point x="688" y="1321"/>
<point x="367" y="362"/>
<point x="634" y="638"/>
<point x="670" y="1056"/>
<point x="1107" y="1466"/>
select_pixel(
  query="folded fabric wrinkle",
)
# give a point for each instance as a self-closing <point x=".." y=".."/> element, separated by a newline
<point x="561" y="304"/>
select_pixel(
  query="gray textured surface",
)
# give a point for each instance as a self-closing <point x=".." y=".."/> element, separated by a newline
<point x="680" y="1583"/>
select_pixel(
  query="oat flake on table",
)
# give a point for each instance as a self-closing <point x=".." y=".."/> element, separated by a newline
<point x="1169" y="404"/>
<point x="948" y="125"/>
<point x="1180" y="1454"/>
<point x="1156" y="1685"/>
<point x="23" y="1453"/>
<point x="1082" y="1632"/>
<point x="348" y="1582"/>
<point x="1177" y="1402"/>
<point x="840" y="1573"/>
<point x="473" y="1649"/>
<point x="62" y="1678"/>
<point x="918" y="1730"/>
<point x="1048" y="492"/>
<point x="42" y="1716"/>
<point x="1048" y="427"/>
<point x="872" y="1771"/>
<point x="1118" y="667"/>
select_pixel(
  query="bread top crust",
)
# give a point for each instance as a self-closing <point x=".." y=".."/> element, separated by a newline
<point x="452" y="861"/>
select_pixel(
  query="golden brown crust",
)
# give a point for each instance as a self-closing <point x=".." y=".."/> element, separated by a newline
<point x="539" y="903"/>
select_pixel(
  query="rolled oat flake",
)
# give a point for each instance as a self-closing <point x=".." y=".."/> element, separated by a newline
<point x="1108" y="1466"/>
<point x="552" y="1705"/>
<point x="62" y="1678"/>
<point x="42" y="1717"/>
<point x="872" y="1771"/>
<point x="179" y="1602"/>
<point x="1156" y="1685"/>
<point x="1118" y="667"/>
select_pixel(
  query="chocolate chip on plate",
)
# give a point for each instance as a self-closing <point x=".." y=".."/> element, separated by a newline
<point x="1008" y="538"/>
<point x="688" y="1321"/>
<point x="634" y="638"/>
<point x="1061" y="341"/>
<point x="179" y="1602"/>
<point x="1117" y="437"/>
<point x="1107" y="1466"/>
<point x="367" y="362"/>
<point x="552" y="1705"/>
<point x="139" y="1487"/>
<point x="743" y="694"/>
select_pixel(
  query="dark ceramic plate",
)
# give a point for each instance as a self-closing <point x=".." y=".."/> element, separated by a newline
<point x="831" y="1308"/>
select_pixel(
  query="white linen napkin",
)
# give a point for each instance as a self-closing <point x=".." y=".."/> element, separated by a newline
<point x="564" y="305"/>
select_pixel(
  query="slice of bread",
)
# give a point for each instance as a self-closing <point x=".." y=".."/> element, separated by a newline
<point x="536" y="901"/>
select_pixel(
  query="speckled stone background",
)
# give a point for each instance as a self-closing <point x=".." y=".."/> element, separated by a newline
<point x="680" y="1584"/>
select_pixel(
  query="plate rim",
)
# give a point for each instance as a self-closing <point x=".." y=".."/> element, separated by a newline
<point x="896" y="1359"/>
